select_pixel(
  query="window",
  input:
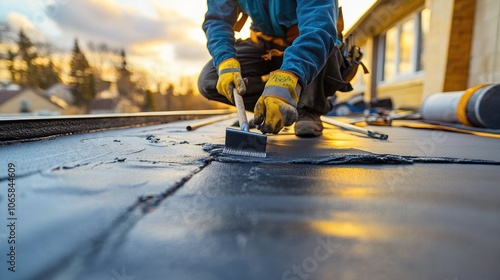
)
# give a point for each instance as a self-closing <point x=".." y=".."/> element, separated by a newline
<point x="401" y="47"/>
<point x="425" y="21"/>
<point x="406" y="45"/>
<point x="390" y="53"/>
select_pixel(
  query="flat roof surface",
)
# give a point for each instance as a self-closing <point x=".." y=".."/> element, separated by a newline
<point x="161" y="202"/>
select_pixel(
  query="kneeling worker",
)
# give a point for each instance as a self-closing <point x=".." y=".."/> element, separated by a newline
<point x="291" y="60"/>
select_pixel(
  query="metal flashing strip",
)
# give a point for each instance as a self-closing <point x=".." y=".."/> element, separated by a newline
<point x="34" y="128"/>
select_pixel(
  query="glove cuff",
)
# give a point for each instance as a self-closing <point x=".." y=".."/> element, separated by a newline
<point x="283" y="85"/>
<point x="229" y="65"/>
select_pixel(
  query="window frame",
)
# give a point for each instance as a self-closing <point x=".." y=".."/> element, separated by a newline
<point x="417" y="51"/>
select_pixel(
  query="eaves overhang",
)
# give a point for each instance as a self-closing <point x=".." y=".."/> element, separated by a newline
<point x="382" y="15"/>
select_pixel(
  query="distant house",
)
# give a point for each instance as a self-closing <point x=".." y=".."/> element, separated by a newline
<point x="103" y="106"/>
<point x="106" y="89"/>
<point x="29" y="101"/>
<point x="109" y="100"/>
<point x="61" y="91"/>
<point x="9" y="86"/>
<point x="113" y="105"/>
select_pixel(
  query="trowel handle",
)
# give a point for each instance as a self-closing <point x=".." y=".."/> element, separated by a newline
<point x="240" y="107"/>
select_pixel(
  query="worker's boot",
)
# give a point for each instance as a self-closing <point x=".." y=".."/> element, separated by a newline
<point x="308" y="124"/>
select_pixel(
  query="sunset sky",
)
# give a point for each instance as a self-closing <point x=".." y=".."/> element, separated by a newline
<point x="164" y="36"/>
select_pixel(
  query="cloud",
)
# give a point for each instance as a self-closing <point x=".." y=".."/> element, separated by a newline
<point x="193" y="52"/>
<point x="122" y="26"/>
<point x="161" y="36"/>
<point x="19" y="21"/>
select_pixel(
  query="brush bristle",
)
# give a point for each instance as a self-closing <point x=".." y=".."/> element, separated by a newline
<point x="243" y="153"/>
<point x="245" y="143"/>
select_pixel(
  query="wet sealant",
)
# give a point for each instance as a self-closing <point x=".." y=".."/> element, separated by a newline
<point x="340" y="156"/>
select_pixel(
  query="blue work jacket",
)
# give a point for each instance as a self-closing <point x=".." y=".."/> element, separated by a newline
<point x="308" y="53"/>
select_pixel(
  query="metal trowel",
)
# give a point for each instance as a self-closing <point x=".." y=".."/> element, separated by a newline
<point x="242" y="142"/>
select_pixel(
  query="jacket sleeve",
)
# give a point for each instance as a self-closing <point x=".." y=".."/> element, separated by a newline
<point x="220" y="18"/>
<point x="318" y="36"/>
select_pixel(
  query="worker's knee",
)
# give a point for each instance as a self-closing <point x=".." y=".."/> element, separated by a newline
<point x="207" y="81"/>
<point x="206" y="87"/>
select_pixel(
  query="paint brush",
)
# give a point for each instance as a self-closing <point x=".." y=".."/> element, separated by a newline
<point x="243" y="142"/>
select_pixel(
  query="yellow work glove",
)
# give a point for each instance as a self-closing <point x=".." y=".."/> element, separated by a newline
<point x="277" y="107"/>
<point x="229" y="77"/>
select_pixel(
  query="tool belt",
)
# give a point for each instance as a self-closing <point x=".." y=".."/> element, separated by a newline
<point x="275" y="46"/>
<point x="351" y="55"/>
